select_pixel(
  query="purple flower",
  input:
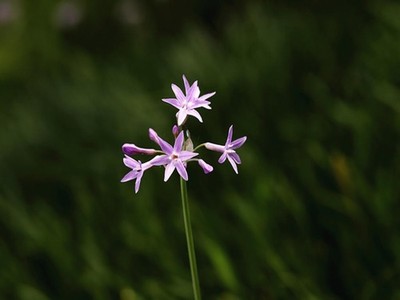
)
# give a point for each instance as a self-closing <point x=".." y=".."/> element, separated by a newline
<point x="137" y="170"/>
<point x="228" y="150"/>
<point x="188" y="103"/>
<point x="174" y="157"/>
<point x="132" y="149"/>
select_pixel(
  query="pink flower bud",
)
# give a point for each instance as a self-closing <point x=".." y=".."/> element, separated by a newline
<point x="132" y="149"/>
<point x="175" y="130"/>
<point x="206" y="167"/>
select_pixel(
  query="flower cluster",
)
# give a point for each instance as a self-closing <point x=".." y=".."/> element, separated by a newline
<point x="177" y="157"/>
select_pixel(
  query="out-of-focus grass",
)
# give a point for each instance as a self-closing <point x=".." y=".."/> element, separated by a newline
<point x="312" y="213"/>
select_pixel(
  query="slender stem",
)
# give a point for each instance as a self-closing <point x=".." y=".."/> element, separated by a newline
<point x="199" y="146"/>
<point x="189" y="239"/>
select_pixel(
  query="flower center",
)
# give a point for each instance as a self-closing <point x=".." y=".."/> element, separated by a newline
<point x="173" y="156"/>
<point x="185" y="104"/>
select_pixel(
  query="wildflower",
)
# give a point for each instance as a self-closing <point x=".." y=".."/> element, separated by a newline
<point x="137" y="170"/>
<point x="174" y="157"/>
<point x="183" y="151"/>
<point x="188" y="103"/>
<point x="228" y="150"/>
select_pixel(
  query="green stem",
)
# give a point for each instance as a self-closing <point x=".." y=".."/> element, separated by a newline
<point x="189" y="239"/>
<point x="199" y="146"/>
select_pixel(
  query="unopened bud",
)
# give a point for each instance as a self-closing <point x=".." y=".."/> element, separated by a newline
<point x="175" y="130"/>
<point x="206" y="167"/>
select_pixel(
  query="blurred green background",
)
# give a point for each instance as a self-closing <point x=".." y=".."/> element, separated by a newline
<point x="314" y="211"/>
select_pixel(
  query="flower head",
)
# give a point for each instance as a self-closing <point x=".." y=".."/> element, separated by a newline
<point x="174" y="158"/>
<point x="183" y="151"/>
<point x="228" y="150"/>
<point x="188" y="103"/>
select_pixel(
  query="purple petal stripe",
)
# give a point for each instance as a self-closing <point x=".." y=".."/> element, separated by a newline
<point x="238" y="143"/>
<point x="179" y="142"/>
<point x="178" y="92"/>
<point x="233" y="164"/>
<point x="229" y="138"/>
<point x="129" y="176"/>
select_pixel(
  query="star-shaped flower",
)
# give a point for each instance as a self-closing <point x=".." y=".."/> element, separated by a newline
<point x="137" y="170"/>
<point x="228" y="150"/>
<point x="174" y="157"/>
<point x="188" y="103"/>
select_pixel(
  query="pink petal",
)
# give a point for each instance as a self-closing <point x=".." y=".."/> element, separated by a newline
<point x="233" y="164"/>
<point x="181" y="116"/>
<point x="130" y="162"/>
<point x="229" y="138"/>
<point x="181" y="170"/>
<point x="168" y="171"/>
<point x="165" y="147"/>
<point x="138" y="180"/>
<point x="222" y="157"/>
<point x="235" y="157"/>
<point x="178" y="92"/>
<point x="129" y="176"/>
<point x="196" y="92"/>
<point x="195" y="114"/>
<point x="160" y="160"/>
<point x="197" y="104"/>
<point x="237" y="143"/>
<point x="189" y="94"/>
<point x="206" y="96"/>
<point x="186" y="155"/>
<point x="186" y="83"/>
<point x="179" y="142"/>
<point x="174" y="102"/>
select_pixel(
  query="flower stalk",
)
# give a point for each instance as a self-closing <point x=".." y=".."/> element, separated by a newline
<point x="177" y="155"/>
<point x="189" y="240"/>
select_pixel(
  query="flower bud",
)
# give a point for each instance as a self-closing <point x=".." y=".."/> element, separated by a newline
<point x="175" y="130"/>
<point x="206" y="167"/>
<point x="132" y="149"/>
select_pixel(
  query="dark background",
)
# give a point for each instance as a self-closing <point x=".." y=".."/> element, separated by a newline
<point x="314" y="211"/>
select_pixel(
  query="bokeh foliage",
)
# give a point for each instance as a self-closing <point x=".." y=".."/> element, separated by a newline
<point x="313" y="213"/>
